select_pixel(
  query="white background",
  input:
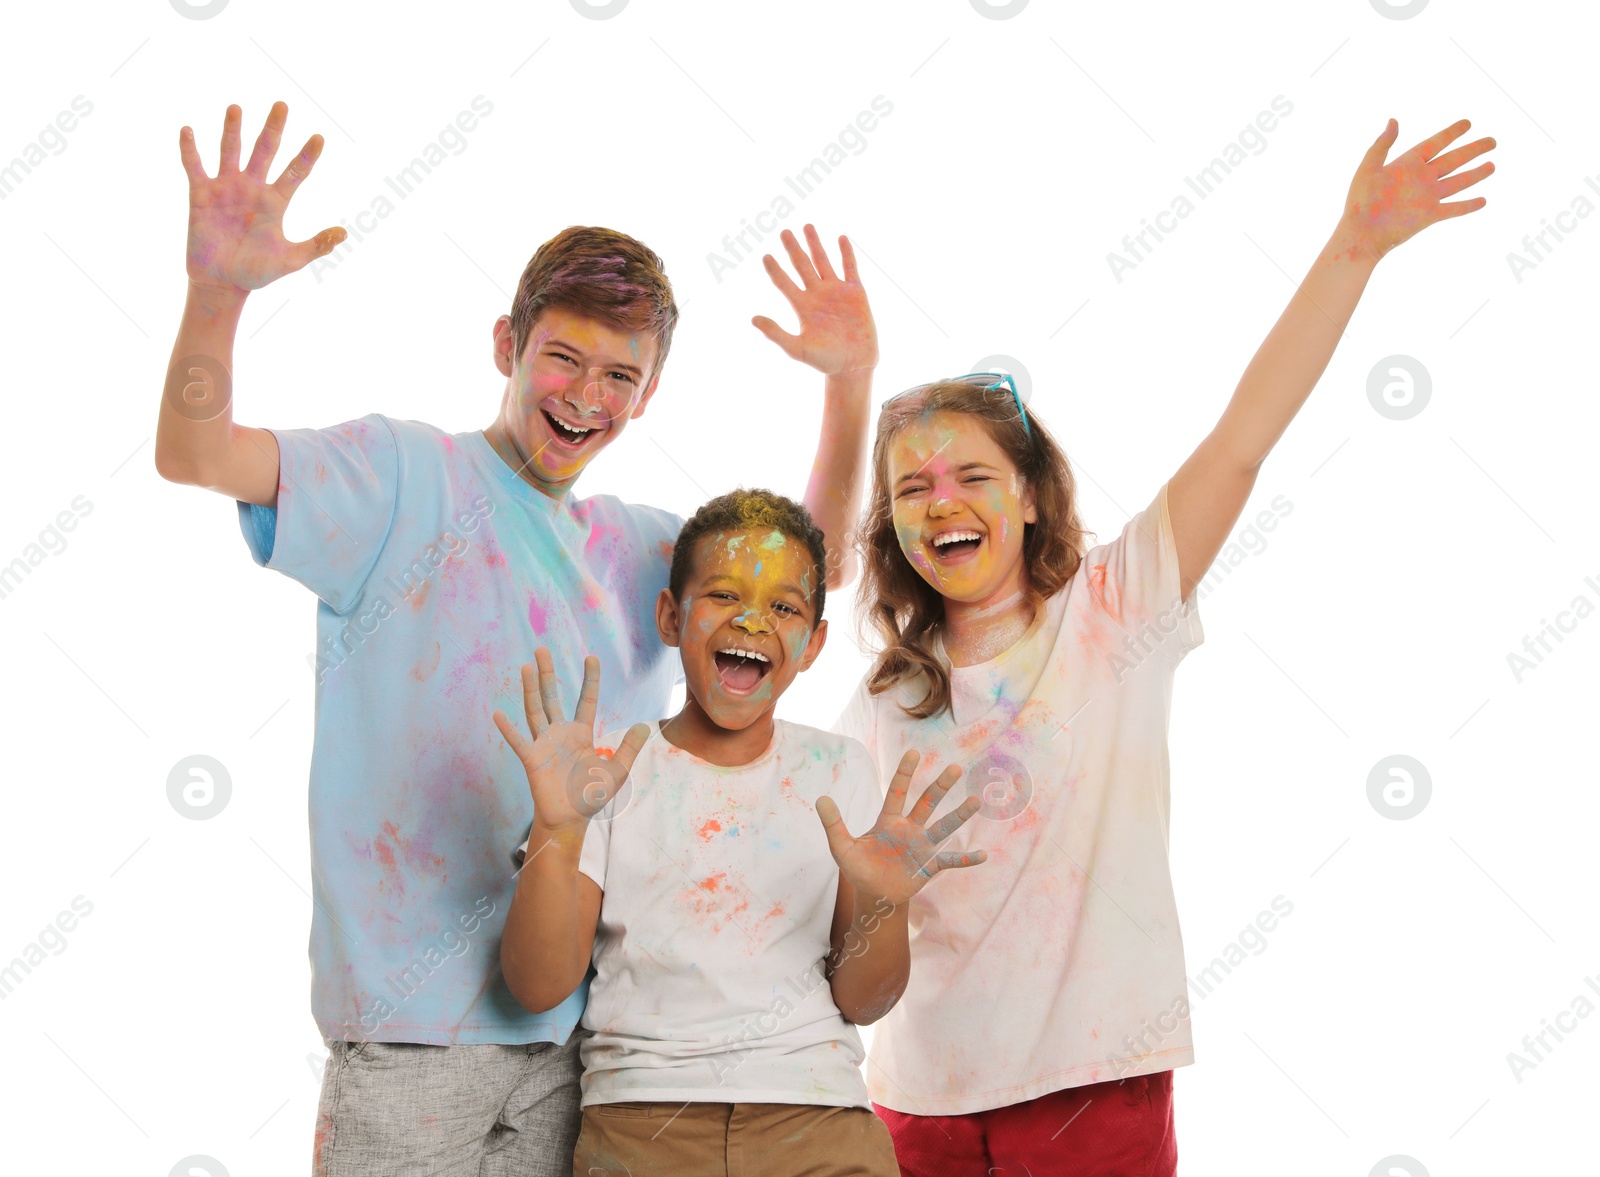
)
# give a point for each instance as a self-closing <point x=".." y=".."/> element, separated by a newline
<point x="1377" y="619"/>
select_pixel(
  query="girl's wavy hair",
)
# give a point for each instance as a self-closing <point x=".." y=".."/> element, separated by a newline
<point x="899" y="611"/>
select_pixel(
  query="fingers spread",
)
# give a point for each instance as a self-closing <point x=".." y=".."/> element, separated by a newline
<point x="780" y="278"/>
<point x="933" y="794"/>
<point x="589" y="696"/>
<point x="949" y="859"/>
<point x="1455" y="184"/>
<point x="633" y="743"/>
<point x="819" y="256"/>
<point x="954" y="820"/>
<point x="267" y="142"/>
<point x="847" y="255"/>
<point x="299" y="167"/>
<point x="229" y="162"/>
<point x="839" y="839"/>
<point x="549" y="686"/>
<point x="798" y="259"/>
<point x="1451" y="160"/>
<point x="1460" y="208"/>
<point x="894" y="801"/>
<point x="789" y="343"/>
<point x="530" y="700"/>
<point x="1379" y="151"/>
<point x="1431" y="147"/>
<point x="303" y="253"/>
<point x="519" y="743"/>
<point x="191" y="157"/>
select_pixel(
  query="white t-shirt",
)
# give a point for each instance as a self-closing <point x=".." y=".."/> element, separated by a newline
<point x="1058" y="962"/>
<point x="710" y="982"/>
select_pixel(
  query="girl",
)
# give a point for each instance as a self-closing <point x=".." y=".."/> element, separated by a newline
<point x="1046" y="1007"/>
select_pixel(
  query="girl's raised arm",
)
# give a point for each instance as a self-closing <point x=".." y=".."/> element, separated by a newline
<point x="1386" y="205"/>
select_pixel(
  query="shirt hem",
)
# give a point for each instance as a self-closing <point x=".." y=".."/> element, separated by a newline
<point x="960" y="1105"/>
<point x="725" y="1095"/>
<point x="457" y="1036"/>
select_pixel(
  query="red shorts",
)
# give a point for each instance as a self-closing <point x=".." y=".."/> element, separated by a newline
<point x="1122" y="1128"/>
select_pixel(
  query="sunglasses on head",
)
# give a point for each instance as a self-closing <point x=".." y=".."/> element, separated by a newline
<point x="988" y="381"/>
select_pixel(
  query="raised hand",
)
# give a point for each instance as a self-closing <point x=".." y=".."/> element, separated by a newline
<point x="897" y="856"/>
<point x="1390" y="203"/>
<point x="570" y="781"/>
<point x="236" y="241"/>
<point x="837" y="334"/>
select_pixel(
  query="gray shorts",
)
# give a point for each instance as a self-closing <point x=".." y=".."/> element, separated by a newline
<point x="402" y="1109"/>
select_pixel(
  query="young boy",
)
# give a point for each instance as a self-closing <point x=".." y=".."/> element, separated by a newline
<point x="731" y="952"/>
<point x="440" y="561"/>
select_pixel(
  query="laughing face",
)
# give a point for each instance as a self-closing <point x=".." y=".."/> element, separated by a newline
<point x="573" y="390"/>
<point x="746" y="624"/>
<point x="959" y="508"/>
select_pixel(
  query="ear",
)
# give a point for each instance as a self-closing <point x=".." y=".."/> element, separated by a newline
<point x="1030" y="511"/>
<point x="504" y="345"/>
<point x="650" y="391"/>
<point x="668" y="617"/>
<point x="819" y="638"/>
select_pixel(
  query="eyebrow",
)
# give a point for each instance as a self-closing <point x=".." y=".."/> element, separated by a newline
<point x="786" y="587"/>
<point x="565" y="346"/>
<point x="961" y="469"/>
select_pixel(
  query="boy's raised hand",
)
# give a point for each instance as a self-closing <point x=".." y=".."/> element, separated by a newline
<point x="570" y="781"/>
<point x="837" y="334"/>
<point x="897" y="856"/>
<point x="236" y="241"/>
<point x="1390" y="203"/>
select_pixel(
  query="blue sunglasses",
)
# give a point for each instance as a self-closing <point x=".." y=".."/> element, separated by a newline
<point x="988" y="381"/>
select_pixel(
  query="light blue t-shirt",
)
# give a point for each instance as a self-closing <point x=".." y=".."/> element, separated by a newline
<point x="439" y="572"/>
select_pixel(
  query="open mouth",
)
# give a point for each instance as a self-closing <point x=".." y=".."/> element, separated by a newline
<point x="741" y="671"/>
<point x="955" y="545"/>
<point x="568" y="435"/>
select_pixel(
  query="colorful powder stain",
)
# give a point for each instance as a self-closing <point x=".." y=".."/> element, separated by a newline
<point x="426" y="665"/>
<point x="538" y="616"/>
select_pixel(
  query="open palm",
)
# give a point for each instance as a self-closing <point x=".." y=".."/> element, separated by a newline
<point x="837" y="334"/>
<point x="897" y="856"/>
<point x="1390" y="203"/>
<point x="570" y="781"/>
<point x="236" y="239"/>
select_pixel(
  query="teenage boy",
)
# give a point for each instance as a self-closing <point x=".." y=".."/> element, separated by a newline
<point x="439" y="562"/>
<point x="734" y="937"/>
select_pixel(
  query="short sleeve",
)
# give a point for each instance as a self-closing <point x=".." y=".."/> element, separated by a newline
<point x="865" y="800"/>
<point x="659" y="531"/>
<point x="337" y="490"/>
<point x="859" y="719"/>
<point x="595" y="853"/>
<point x="1135" y="580"/>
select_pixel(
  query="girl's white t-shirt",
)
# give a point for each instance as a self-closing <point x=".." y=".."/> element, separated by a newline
<point x="719" y="890"/>
<point x="1058" y="962"/>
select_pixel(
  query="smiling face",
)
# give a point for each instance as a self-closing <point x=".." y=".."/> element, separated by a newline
<point x="573" y="390"/>
<point x="746" y="624"/>
<point x="959" y="508"/>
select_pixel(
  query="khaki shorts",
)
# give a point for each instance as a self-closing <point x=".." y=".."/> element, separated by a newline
<point x="732" y="1140"/>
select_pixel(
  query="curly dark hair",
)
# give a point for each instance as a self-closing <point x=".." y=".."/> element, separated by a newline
<point x="741" y="510"/>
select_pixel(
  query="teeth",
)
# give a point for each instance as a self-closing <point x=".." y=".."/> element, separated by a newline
<point x="950" y="537"/>
<point x="745" y="654"/>
<point x="573" y="428"/>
